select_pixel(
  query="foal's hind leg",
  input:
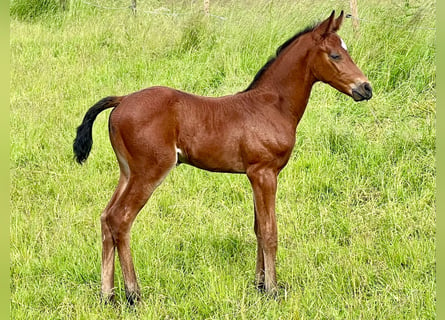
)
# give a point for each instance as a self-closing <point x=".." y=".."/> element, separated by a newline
<point x="142" y="182"/>
<point x="108" y="246"/>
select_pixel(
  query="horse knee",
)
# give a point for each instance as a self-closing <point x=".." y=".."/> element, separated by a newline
<point x="269" y="242"/>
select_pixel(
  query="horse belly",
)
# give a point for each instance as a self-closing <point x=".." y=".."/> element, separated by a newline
<point x="214" y="156"/>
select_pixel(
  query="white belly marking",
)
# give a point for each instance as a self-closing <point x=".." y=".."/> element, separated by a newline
<point x="179" y="154"/>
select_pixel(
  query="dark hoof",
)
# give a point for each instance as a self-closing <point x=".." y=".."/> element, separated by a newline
<point x="107" y="298"/>
<point x="271" y="292"/>
<point x="261" y="287"/>
<point x="133" y="297"/>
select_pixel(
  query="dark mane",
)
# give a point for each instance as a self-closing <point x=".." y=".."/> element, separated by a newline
<point x="277" y="53"/>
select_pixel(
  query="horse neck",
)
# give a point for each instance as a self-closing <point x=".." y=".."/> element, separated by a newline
<point x="291" y="78"/>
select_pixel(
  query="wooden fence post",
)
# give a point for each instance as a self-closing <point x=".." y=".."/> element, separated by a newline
<point x="133" y="6"/>
<point x="207" y="7"/>
<point x="63" y="4"/>
<point x="354" y="13"/>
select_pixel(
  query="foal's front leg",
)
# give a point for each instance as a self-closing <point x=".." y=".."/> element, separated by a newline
<point x="264" y="185"/>
<point x="259" y="272"/>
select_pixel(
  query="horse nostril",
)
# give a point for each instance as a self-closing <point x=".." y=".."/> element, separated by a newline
<point x="367" y="90"/>
<point x="367" y="87"/>
<point x="362" y="91"/>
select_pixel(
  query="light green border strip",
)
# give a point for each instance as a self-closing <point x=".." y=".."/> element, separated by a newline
<point x="440" y="160"/>
<point x="4" y="172"/>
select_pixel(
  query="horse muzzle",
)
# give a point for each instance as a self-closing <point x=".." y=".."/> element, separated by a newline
<point x="362" y="91"/>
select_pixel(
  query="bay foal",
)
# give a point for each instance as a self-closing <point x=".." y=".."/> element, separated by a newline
<point x="251" y="132"/>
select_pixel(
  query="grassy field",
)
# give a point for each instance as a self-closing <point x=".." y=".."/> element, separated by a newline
<point x="356" y="203"/>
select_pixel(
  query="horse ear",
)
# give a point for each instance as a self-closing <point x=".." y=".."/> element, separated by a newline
<point x="338" y="21"/>
<point x="327" y="26"/>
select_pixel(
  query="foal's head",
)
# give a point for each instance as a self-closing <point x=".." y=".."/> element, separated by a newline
<point x="331" y="63"/>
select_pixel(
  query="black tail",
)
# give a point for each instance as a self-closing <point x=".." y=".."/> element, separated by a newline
<point x="84" y="138"/>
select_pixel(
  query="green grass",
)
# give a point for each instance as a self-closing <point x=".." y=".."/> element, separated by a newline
<point x="356" y="203"/>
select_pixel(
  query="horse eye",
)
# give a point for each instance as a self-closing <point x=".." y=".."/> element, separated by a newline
<point x="335" y="56"/>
